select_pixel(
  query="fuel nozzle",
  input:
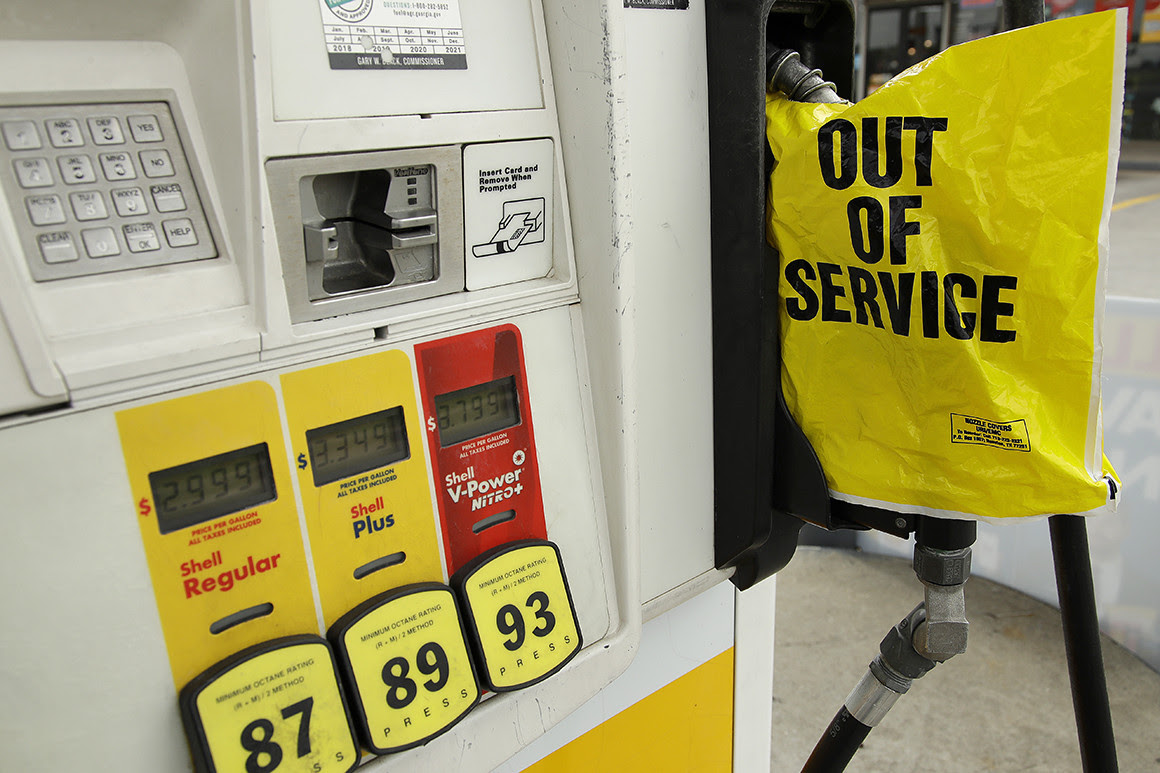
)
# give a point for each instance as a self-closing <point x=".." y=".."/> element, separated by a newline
<point x="795" y="80"/>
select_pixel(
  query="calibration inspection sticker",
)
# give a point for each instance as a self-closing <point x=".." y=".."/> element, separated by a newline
<point x="404" y="655"/>
<point x="276" y="706"/>
<point x="393" y="35"/>
<point x="519" y="613"/>
<point x="1009" y="435"/>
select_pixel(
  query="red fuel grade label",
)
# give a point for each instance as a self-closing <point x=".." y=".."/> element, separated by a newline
<point x="478" y="421"/>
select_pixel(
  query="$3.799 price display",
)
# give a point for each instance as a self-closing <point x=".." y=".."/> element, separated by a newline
<point x="274" y="708"/>
<point x="519" y="613"/>
<point x="405" y="658"/>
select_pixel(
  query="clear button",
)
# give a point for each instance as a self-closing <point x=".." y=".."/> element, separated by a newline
<point x="57" y="247"/>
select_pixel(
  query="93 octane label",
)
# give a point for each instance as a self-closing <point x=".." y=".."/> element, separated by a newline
<point x="407" y="657"/>
<point x="520" y="612"/>
<point x="393" y="34"/>
<point x="276" y="712"/>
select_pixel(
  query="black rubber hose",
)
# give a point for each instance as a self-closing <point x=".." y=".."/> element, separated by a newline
<point x="838" y="745"/>
<point x="1081" y="638"/>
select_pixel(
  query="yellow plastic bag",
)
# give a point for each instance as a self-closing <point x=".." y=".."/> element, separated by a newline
<point x="943" y="259"/>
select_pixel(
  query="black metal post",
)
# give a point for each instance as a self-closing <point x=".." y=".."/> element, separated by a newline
<point x="1081" y="637"/>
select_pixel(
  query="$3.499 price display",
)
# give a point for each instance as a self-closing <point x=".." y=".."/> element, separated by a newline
<point x="519" y="613"/>
<point x="274" y="708"/>
<point x="405" y="658"/>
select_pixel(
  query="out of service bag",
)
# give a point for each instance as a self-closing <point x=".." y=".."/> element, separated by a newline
<point x="943" y="254"/>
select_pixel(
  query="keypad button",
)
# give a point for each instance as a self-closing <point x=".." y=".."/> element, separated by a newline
<point x="75" y="170"/>
<point x="88" y="205"/>
<point x="45" y="210"/>
<point x="64" y="132"/>
<point x="118" y="166"/>
<point x="142" y="237"/>
<point x="179" y="233"/>
<point x="157" y="163"/>
<point x="57" y="247"/>
<point x="106" y="130"/>
<point x="145" y="128"/>
<point x="168" y="198"/>
<point x="100" y="242"/>
<point x="33" y="172"/>
<point x="21" y="135"/>
<point x="129" y="202"/>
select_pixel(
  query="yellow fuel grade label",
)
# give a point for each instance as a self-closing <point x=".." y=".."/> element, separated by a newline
<point x="406" y="656"/>
<point x="274" y="708"/>
<point x="362" y="474"/>
<point x="519" y="611"/>
<point x="213" y="499"/>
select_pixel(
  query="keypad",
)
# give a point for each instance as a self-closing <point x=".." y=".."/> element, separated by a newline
<point x="100" y="187"/>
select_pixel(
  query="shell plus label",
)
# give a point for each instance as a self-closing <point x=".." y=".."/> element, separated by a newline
<point x="405" y="656"/>
<point x="1008" y="435"/>
<point x="276" y="708"/>
<point x="363" y="478"/>
<point x="520" y="614"/>
<point x="393" y="34"/>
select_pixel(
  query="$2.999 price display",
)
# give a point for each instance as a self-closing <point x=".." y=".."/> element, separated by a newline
<point x="519" y="613"/>
<point x="273" y="708"/>
<point x="405" y="657"/>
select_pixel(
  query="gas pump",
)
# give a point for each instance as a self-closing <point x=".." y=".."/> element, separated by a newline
<point x="347" y="415"/>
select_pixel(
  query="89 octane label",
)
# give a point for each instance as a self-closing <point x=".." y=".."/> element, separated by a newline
<point x="520" y="613"/>
<point x="406" y="655"/>
<point x="274" y="711"/>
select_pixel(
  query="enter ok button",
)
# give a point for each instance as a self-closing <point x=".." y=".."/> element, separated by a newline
<point x="179" y="233"/>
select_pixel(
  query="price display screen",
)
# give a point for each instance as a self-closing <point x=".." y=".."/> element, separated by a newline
<point x="477" y="411"/>
<point x="356" y="445"/>
<point x="200" y="491"/>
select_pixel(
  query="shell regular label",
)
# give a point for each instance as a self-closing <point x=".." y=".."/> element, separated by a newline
<point x="277" y="711"/>
<point x="520" y="613"/>
<point x="483" y="449"/>
<point x="407" y="658"/>
<point x="363" y="478"/>
<point x="212" y="497"/>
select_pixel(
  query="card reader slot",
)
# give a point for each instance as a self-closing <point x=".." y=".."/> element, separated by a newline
<point x="379" y="563"/>
<point x="242" y="616"/>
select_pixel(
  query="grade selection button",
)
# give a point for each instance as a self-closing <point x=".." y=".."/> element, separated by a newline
<point x="168" y="198"/>
<point x="118" y="166"/>
<point x="100" y="242"/>
<point x="33" y="172"/>
<point x="88" y="205"/>
<point x="106" y="130"/>
<point x="45" y="210"/>
<point x="179" y="233"/>
<point x="145" y="128"/>
<point x="157" y="163"/>
<point x="141" y="237"/>
<point x="129" y="202"/>
<point x="57" y="247"/>
<point x="21" y="135"/>
<point x="75" y="170"/>
<point x="64" y="133"/>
